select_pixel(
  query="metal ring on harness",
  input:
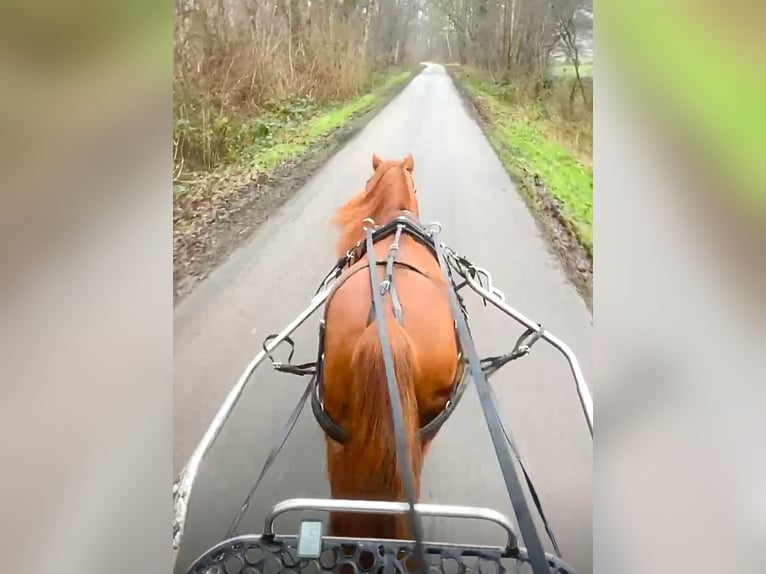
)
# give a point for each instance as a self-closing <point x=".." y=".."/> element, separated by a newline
<point x="435" y="228"/>
<point x="371" y="225"/>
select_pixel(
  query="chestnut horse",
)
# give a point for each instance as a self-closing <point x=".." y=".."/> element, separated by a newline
<point x="423" y="346"/>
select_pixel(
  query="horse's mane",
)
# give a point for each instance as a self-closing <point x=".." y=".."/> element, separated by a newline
<point x="381" y="197"/>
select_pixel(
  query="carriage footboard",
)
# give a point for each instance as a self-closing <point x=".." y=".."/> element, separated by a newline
<point x="281" y="554"/>
<point x="310" y="552"/>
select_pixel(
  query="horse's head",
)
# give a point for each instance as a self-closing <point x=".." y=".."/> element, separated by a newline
<point x="389" y="191"/>
<point x="392" y="187"/>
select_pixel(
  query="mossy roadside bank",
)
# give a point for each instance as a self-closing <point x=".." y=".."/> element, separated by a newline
<point x="555" y="180"/>
<point x="216" y="210"/>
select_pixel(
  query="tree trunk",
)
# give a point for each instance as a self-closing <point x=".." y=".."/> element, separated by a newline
<point x="579" y="79"/>
<point x="367" y="19"/>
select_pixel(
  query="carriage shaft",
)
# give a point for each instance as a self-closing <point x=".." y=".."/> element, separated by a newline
<point x="586" y="400"/>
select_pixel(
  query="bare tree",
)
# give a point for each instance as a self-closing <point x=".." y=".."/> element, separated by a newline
<point x="233" y="57"/>
<point x="566" y="28"/>
<point x="512" y="38"/>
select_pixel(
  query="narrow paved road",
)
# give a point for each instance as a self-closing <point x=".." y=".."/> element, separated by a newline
<point x="262" y="286"/>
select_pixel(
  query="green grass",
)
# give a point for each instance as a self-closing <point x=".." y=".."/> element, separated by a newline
<point x="523" y="147"/>
<point x="336" y="117"/>
<point x="568" y="70"/>
<point x="273" y="156"/>
<point x="296" y="137"/>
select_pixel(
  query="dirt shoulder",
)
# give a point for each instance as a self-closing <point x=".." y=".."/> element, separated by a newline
<point x="568" y="236"/>
<point x="226" y="206"/>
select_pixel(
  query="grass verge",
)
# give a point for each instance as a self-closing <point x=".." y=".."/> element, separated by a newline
<point x="264" y="159"/>
<point x="548" y="154"/>
<point x="568" y="70"/>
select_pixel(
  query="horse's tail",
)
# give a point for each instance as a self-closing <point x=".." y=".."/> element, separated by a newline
<point x="372" y="438"/>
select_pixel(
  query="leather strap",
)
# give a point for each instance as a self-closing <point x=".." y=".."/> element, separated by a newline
<point x="388" y="284"/>
<point x="402" y="455"/>
<point x="279" y="443"/>
<point x="413" y="227"/>
<point x="527" y="479"/>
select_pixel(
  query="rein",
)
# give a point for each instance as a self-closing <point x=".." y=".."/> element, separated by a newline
<point x="402" y="455"/>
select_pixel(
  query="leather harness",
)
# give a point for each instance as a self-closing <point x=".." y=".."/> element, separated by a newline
<point x="403" y="223"/>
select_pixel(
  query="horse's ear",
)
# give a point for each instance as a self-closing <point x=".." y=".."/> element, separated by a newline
<point x="376" y="161"/>
<point x="409" y="163"/>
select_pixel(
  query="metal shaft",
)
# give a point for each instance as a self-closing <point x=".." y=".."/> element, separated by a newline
<point x="582" y="389"/>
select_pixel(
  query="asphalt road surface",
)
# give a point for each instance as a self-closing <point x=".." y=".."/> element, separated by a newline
<point x="220" y="326"/>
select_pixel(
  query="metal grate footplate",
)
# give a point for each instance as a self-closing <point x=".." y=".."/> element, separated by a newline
<point x="279" y="555"/>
